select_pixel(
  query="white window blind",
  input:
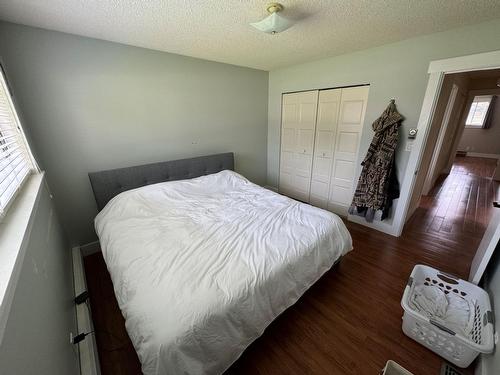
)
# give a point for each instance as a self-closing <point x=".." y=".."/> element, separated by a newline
<point x="16" y="162"/>
<point x="478" y="111"/>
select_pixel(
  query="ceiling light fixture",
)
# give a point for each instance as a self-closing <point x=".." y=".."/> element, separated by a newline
<point x="274" y="23"/>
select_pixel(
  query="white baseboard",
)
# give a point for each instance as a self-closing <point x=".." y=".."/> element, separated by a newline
<point x="481" y="155"/>
<point x="89" y="359"/>
<point x="480" y="368"/>
<point x="90" y="248"/>
<point x="376" y="224"/>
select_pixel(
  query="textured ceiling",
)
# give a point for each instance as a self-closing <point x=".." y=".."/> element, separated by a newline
<point x="219" y="30"/>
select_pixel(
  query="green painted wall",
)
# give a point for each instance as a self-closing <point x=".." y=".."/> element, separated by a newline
<point x="89" y="105"/>
<point x="42" y="313"/>
<point x="397" y="70"/>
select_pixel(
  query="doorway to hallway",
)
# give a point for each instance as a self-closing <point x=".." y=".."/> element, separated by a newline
<point x="460" y="205"/>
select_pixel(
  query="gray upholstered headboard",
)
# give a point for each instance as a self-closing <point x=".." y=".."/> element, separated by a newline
<point x="107" y="184"/>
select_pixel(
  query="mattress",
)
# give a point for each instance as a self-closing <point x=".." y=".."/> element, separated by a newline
<point x="200" y="267"/>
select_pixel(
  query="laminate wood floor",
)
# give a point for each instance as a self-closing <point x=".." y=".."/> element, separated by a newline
<point x="459" y="207"/>
<point x="349" y="322"/>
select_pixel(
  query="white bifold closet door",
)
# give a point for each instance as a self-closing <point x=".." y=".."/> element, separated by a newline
<point x="297" y="143"/>
<point x="326" y="129"/>
<point x="320" y="136"/>
<point x="345" y="160"/>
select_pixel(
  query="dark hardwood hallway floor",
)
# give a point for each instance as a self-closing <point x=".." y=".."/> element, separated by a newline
<point x="459" y="207"/>
<point x="349" y="322"/>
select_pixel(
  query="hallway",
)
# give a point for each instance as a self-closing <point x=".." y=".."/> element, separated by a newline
<point x="459" y="206"/>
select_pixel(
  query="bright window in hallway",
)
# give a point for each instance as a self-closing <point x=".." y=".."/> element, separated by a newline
<point x="478" y="111"/>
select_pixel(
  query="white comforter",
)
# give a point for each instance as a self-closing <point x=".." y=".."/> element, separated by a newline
<point x="200" y="267"/>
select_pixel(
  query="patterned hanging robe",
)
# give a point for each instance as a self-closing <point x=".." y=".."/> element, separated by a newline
<point x="378" y="184"/>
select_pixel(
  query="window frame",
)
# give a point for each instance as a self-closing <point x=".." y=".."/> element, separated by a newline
<point x="4" y="84"/>
<point x="18" y="214"/>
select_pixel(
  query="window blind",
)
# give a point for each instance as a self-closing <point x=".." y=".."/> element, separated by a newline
<point x="16" y="162"/>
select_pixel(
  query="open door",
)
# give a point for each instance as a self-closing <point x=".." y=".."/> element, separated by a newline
<point x="486" y="247"/>
<point x="448" y="114"/>
<point x="443" y="150"/>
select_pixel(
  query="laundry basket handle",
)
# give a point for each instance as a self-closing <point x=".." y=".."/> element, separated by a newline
<point x="449" y="275"/>
<point x="450" y="279"/>
<point x="441" y="327"/>
<point x="409" y="283"/>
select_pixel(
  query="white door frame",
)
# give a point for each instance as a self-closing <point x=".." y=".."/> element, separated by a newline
<point x="439" y="143"/>
<point x="437" y="70"/>
<point x="486" y="248"/>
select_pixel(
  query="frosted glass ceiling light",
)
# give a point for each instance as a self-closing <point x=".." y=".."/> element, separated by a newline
<point x="274" y="23"/>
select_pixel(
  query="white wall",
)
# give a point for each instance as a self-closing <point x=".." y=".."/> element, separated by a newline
<point x="42" y="313"/>
<point x="397" y="70"/>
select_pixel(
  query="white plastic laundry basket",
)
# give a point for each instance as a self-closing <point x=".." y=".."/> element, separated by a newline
<point x="392" y="368"/>
<point x="448" y="344"/>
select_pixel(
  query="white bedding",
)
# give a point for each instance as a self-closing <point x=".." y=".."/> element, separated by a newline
<point x="200" y="267"/>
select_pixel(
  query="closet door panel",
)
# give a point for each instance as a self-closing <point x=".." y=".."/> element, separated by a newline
<point x="290" y="110"/>
<point x="324" y="144"/>
<point x="322" y="169"/>
<point x="297" y="143"/>
<point x="347" y="145"/>
<point x="349" y="129"/>
<point x="302" y="183"/>
<point x="307" y="122"/>
<point x="307" y="109"/>
<point x="319" y="189"/>
<point x="319" y="194"/>
<point x="343" y="172"/>
<point x="352" y="108"/>
<point x="302" y="165"/>
<point x="286" y="181"/>
<point x="288" y="140"/>
<point x="328" y="108"/>
<point x="287" y="163"/>
<point x="340" y="194"/>
<point x="305" y="141"/>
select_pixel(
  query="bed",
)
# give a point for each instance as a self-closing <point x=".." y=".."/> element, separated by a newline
<point x="202" y="260"/>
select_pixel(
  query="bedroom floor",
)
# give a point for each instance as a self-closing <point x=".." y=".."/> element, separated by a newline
<point x="349" y="322"/>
